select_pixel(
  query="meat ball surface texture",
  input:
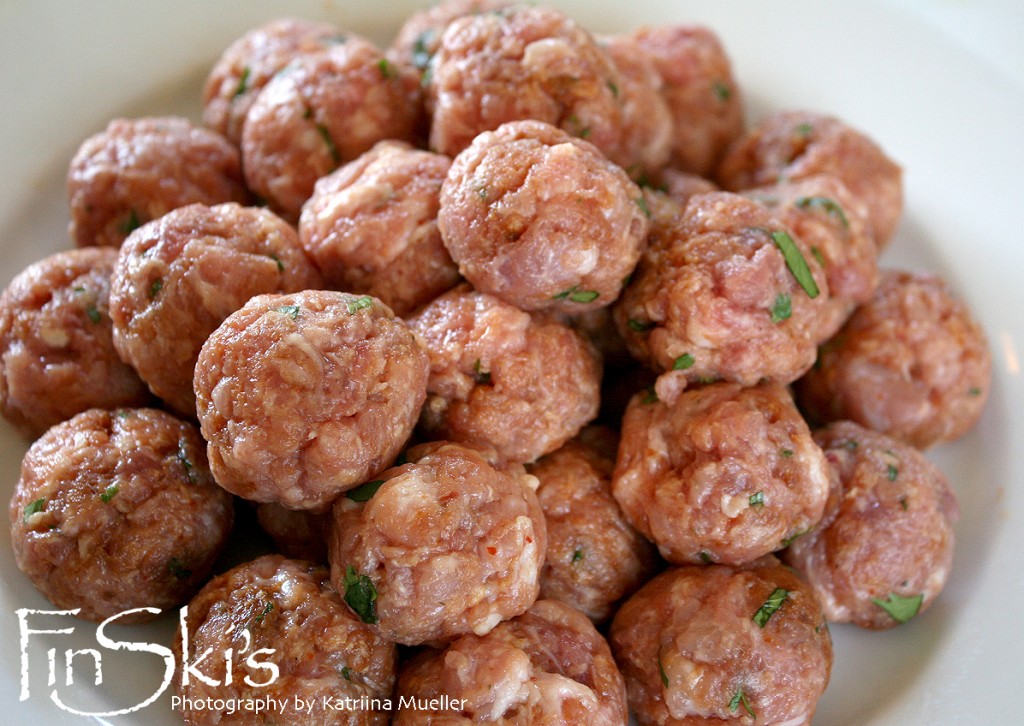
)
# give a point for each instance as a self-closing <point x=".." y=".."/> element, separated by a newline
<point x="371" y="227"/>
<point x="117" y="510"/>
<point x="725" y="291"/>
<point x="522" y="62"/>
<point x="178" y="277"/>
<point x="595" y="558"/>
<point x="912" y="363"/>
<point x="449" y="543"/>
<point x="325" y="110"/>
<point x="297" y="533"/>
<point x="792" y="145"/>
<point x="57" y="354"/>
<point x="522" y="384"/>
<point x="710" y="645"/>
<point x="541" y="219"/>
<point x="420" y="35"/>
<point x="548" y="666"/>
<point x="303" y="396"/>
<point x="137" y="170"/>
<point x="720" y="473"/>
<point x="884" y="549"/>
<point x="287" y="614"/>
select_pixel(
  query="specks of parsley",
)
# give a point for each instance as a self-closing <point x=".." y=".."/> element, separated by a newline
<point x="332" y="148"/>
<point x="721" y="90"/>
<point x="574" y="294"/>
<point x="577" y="555"/>
<point x="641" y="326"/>
<point x="795" y="262"/>
<point x="32" y="508"/>
<point x="850" y="445"/>
<point x="421" y="48"/>
<point x="793" y="537"/>
<point x="481" y="376"/>
<point x="584" y="132"/>
<point x="243" y="83"/>
<point x="109" y="493"/>
<point x="900" y="608"/>
<point x="782" y="308"/>
<point x="740" y="698"/>
<point x="361" y="595"/>
<point x="427" y="77"/>
<point x="650" y="395"/>
<point x="829" y="206"/>
<point x="292" y="311"/>
<point x="973" y="391"/>
<point x="177" y="569"/>
<point x="786" y="453"/>
<point x="186" y="463"/>
<point x="705" y="557"/>
<point x="661" y="671"/>
<point x="771" y="606"/>
<point x="364" y="492"/>
<point x="757" y="499"/>
<point x="683" y="362"/>
<point x="642" y="203"/>
<point x="266" y="611"/>
<point x="892" y="471"/>
<point x="93" y="314"/>
<point x="802" y="130"/>
<point x="280" y="265"/>
<point x="155" y="287"/>
<point x="360" y="303"/>
<point x="613" y="87"/>
<point x="816" y="254"/>
<point x="345" y="673"/>
<point x="904" y="504"/>
<point x="387" y="71"/>
<point x="131" y="224"/>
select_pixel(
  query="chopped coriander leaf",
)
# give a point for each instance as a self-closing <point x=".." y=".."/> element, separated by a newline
<point x="30" y="509"/>
<point x="565" y="293"/>
<point x="155" y="287"/>
<point x="795" y="262"/>
<point x="78" y="288"/>
<point x="785" y="453"/>
<point x="850" y="445"/>
<point x="900" y="608"/>
<point x="584" y="132"/>
<point x="177" y="568"/>
<point x="683" y="362"/>
<point x="190" y="470"/>
<point x="892" y="471"/>
<point x="361" y="595"/>
<point x="973" y="391"/>
<point x="427" y="77"/>
<point x="266" y="611"/>
<point x="661" y="670"/>
<point x="642" y="203"/>
<point x="782" y="308"/>
<point x="816" y="253"/>
<point x="793" y="537"/>
<point x="584" y="296"/>
<point x="481" y="376"/>
<point x="722" y="91"/>
<point x="109" y="493"/>
<point x="420" y="48"/>
<point x="641" y="327"/>
<point x="243" y="83"/>
<point x="386" y="70"/>
<point x="650" y="395"/>
<point x="93" y="314"/>
<point x="705" y="557"/>
<point x="577" y="555"/>
<point x="904" y="504"/>
<point x="364" y="492"/>
<point x="741" y="698"/>
<point x="131" y="224"/>
<point x="771" y="606"/>
<point x="280" y="265"/>
<point x="292" y="311"/>
<point x="332" y="148"/>
<point x="614" y="88"/>
<point x="829" y="206"/>
<point x="360" y="303"/>
<point x="757" y="499"/>
<point x="346" y="673"/>
<point x="803" y="130"/>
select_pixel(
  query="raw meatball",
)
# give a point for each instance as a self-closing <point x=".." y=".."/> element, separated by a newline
<point x="541" y="219"/>
<point x="548" y="666"/>
<point x="912" y="363"/>
<point x="140" y="169"/>
<point x="117" y="510"/>
<point x="702" y="96"/>
<point x="500" y="377"/>
<point x="178" y="277"/>
<point x="371" y="227"/>
<point x="420" y="35"/>
<point x="250" y="62"/>
<point x="57" y="355"/>
<point x="885" y="546"/>
<point x="679" y="186"/>
<point x="595" y="558"/>
<point x="297" y="533"/>
<point x="710" y="645"/>
<point x="719" y="473"/>
<point x="292" y="638"/>
<point x="717" y="296"/>
<point x="324" y="110"/>
<point x="448" y="543"/>
<point x="522" y="62"/>
<point x="792" y="145"/>
<point x="304" y="396"/>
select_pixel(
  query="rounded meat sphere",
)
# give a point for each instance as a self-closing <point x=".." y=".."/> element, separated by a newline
<point x="297" y="533"/>
<point x="720" y="473"/>
<point x="547" y="666"/>
<point x="679" y="186"/>
<point x="420" y="35"/>
<point x="178" y="277"/>
<point x="725" y="291"/>
<point x="449" y="543"/>
<point x="137" y="170"/>
<point x="306" y="395"/>
<point x="57" y="354"/>
<point x="293" y="638"/>
<point x="248" y="64"/>
<point x="323" y="110"/>
<point x="912" y="363"/>
<point x="521" y="62"/>
<point x="697" y="84"/>
<point x="116" y="510"/>
<point x="792" y="145"/>
<point x="541" y="219"/>
<point x="595" y="558"/>
<point x="522" y="384"/>
<point x="371" y="227"/>
<point x="884" y="549"/>
<point x="709" y="645"/>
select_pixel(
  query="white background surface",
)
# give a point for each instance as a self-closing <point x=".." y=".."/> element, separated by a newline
<point x="939" y="84"/>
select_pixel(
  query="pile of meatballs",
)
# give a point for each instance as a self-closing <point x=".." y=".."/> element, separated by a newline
<point x="562" y="393"/>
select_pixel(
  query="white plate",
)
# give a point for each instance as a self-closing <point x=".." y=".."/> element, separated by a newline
<point x="66" y="68"/>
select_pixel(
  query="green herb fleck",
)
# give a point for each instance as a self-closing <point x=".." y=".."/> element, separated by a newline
<point x="793" y="537"/>
<point x="904" y="504"/>
<point x="641" y="327"/>
<point x="346" y="673"/>
<point x="30" y="509"/>
<point x="280" y="265"/>
<point x="361" y="595"/>
<point x="661" y="670"/>
<point x="177" y="568"/>
<point x="771" y="606"/>
<point x="650" y="395"/>
<point x="892" y="471"/>
<point x="427" y="77"/>
<point x="642" y="203"/>
<point x="973" y="391"/>
<point x="93" y="314"/>
<point x="705" y="557"/>
<point x="155" y="287"/>
<point x="479" y="375"/>
<point x="683" y="362"/>
<point x="387" y="72"/>
<point x="190" y="469"/>
<point x="364" y="492"/>
<point x="243" y="83"/>
<point x="332" y="148"/>
<point x="722" y="91"/>
<point x="131" y="224"/>
<point x="816" y="253"/>
<point x="614" y="88"/>
<point x="850" y="445"/>
<point x="795" y="262"/>
<point x="266" y="611"/>
<point x="584" y="296"/>
<point x="292" y="311"/>
<point x="78" y="289"/>
<point x="420" y="48"/>
<point x="829" y="206"/>
<point x="757" y="499"/>
<point x="109" y="493"/>
<point x="900" y="608"/>
<point x="577" y="555"/>
<point x="803" y="130"/>
<point x="741" y="698"/>
<point x="360" y="303"/>
<point x="584" y="132"/>
<point x="782" y="308"/>
<point x="786" y="453"/>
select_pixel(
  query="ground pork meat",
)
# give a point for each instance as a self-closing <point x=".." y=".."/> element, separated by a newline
<point x="178" y="277"/>
<point x="297" y="533"/>
<point x="117" y="510"/>
<point x="57" y="354"/>
<point x="714" y="645"/>
<point x="137" y="170"/>
<point x="286" y="613"/>
<point x="306" y="395"/>
<point x="450" y="542"/>
<point x="371" y="227"/>
<point x="420" y="35"/>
